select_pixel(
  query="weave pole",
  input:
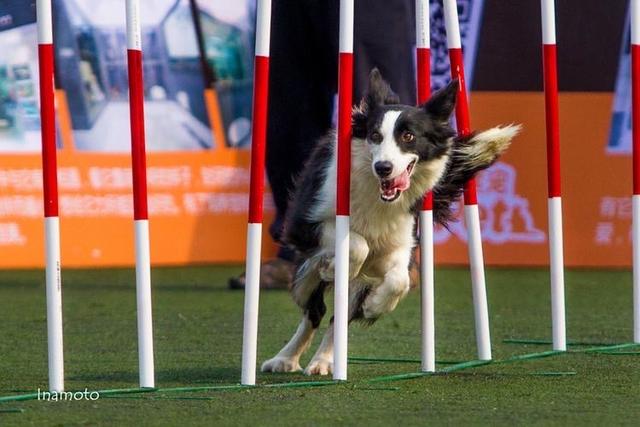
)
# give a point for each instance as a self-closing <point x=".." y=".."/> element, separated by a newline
<point x="345" y="96"/>
<point x="256" y="193"/>
<point x="635" y="199"/>
<point x="471" y="213"/>
<point x="427" y="294"/>
<point x="550" y="70"/>
<point x="50" y="187"/>
<point x="140" y="211"/>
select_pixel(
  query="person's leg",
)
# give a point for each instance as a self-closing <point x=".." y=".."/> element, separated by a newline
<point x="300" y="93"/>
<point x="302" y="76"/>
<point x="385" y="38"/>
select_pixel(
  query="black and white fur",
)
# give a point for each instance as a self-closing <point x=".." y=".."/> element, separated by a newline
<point x="398" y="153"/>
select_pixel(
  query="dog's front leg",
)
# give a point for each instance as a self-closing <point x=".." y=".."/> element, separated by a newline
<point x="288" y="359"/>
<point x="358" y="252"/>
<point x="395" y="284"/>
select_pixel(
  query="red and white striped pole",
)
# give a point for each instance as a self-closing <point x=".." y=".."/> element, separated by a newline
<point x="256" y="193"/>
<point x="345" y="96"/>
<point x="553" y="173"/>
<point x="140" y="211"/>
<point x="471" y="213"/>
<point x="50" y="185"/>
<point x="635" y="200"/>
<point x="423" y="78"/>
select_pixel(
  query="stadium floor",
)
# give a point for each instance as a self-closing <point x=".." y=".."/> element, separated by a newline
<point x="198" y="335"/>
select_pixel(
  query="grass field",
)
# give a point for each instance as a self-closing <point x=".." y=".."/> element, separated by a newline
<point x="198" y="334"/>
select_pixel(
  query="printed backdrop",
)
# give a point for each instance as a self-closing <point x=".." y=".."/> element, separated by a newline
<point x="198" y="130"/>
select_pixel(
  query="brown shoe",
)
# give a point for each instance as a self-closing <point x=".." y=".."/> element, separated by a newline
<point x="274" y="274"/>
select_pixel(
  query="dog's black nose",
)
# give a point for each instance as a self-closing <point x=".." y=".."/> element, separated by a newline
<point x="384" y="168"/>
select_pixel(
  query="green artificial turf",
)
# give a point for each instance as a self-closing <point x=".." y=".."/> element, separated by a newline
<point x="198" y="335"/>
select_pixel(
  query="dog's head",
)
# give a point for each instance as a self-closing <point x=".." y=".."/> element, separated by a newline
<point x="400" y="137"/>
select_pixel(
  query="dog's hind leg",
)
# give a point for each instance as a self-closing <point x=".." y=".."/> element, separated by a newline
<point x="288" y="359"/>
<point x="322" y="361"/>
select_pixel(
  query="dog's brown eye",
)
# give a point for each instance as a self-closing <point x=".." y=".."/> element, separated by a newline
<point x="408" y="137"/>
<point x="376" y="137"/>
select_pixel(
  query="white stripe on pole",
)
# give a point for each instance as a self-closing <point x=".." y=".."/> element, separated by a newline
<point x="341" y="297"/>
<point x="134" y="33"/>
<point x="423" y="37"/>
<point x="263" y="28"/>
<point x="143" y="303"/>
<point x="54" y="303"/>
<point x="346" y="26"/>
<point x="479" y="289"/>
<point x="548" y="21"/>
<point x="557" y="274"/>
<point x="251" y="300"/>
<point x="45" y="21"/>
<point x="427" y="292"/>
<point x="635" y="200"/>
<point x="635" y="22"/>
<point x="452" y="24"/>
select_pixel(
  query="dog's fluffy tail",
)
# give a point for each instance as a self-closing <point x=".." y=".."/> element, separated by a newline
<point x="470" y="155"/>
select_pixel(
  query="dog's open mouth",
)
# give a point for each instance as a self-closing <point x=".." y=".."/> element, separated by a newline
<point x="391" y="189"/>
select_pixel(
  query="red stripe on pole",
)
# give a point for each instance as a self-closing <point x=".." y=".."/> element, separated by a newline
<point x="48" y="130"/>
<point x="345" y="96"/>
<point x="463" y="121"/>
<point x="138" y="155"/>
<point x="259" y="138"/>
<point x="635" y="80"/>
<point x="424" y="90"/>
<point x="424" y="74"/>
<point x="552" y="118"/>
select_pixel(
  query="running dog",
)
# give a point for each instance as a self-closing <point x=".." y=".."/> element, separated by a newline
<point x="398" y="153"/>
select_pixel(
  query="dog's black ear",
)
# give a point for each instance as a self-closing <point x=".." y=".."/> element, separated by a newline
<point x="441" y="104"/>
<point x="378" y="92"/>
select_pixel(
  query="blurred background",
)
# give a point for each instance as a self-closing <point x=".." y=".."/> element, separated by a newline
<point x="198" y="67"/>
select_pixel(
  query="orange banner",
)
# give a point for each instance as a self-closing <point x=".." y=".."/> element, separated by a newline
<point x="197" y="208"/>
<point x="596" y="186"/>
<point x="198" y="200"/>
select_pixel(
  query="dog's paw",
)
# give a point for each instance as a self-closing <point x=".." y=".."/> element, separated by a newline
<point x="319" y="367"/>
<point x="281" y="364"/>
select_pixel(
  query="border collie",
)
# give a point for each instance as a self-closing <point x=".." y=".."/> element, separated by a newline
<point x="398" y="153"/>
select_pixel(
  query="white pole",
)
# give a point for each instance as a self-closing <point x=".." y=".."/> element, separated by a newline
<point x="479" y="290"/>
<point x="54" y="304"/>
<point x="471" y="212"/>
<point x="557" y="274"/>
<point x="256" y="193"/>
<point x="251" y="303"/>
<point x="50" y="186"/>
<point x="341" y="294"/>
<point x="427" y="295"/>
<point x="556" y="258"/>
<point x="143" y="304"/>
<point x="141" y="217"/>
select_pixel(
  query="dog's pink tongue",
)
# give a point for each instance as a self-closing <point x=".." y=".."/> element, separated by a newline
<point x="400" y="182"/>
